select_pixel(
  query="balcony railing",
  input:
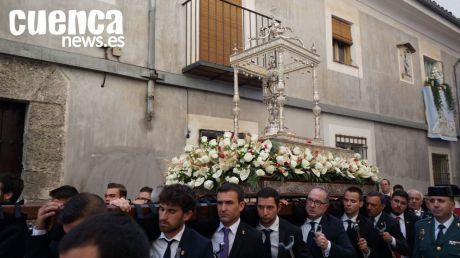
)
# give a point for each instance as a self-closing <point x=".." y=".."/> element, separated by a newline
<point x="213" y="29"/>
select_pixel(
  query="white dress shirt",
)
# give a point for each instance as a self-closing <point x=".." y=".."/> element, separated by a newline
<point x="345" y="222"/>
<point x="274" y="236"/>
<point x="447" y="224"/>
<point x="218" y="236"/>
<point x="402" y="226"/>
<point x="160" y="245"/>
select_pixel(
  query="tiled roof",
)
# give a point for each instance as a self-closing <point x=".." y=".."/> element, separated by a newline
<point x="446" y="14"/>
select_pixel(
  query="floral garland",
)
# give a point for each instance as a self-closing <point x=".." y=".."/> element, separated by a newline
<point x="247" y="160"/>
<point x="434" y="82"/>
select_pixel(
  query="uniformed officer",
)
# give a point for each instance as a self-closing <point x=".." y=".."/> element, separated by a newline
<point x="439" y="236"/>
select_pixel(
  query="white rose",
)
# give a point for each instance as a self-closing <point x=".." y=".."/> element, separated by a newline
<point x="199" y="181"/>
<point x="213" y="154"/>
<point x="305" y="163"/>
<point x="232" y="179"/>
<point x="248" y="157"/>
<point x="267" y="145"/>
<point x="227" y="142"/>
<point x="204" y="139"/>
<point x="260" y="172"/>
<point x="318" y="166"/>
<point x="191" y="184"/>
<point x="175" y="161"/>
<point x="204" y="159"/>
<point x="293" y="163"/>
<point x="280" y="160"/>
<point x="244" y="174"/>
<point x="270" y="169"/>
<point x="208" y="184"/>
<point x="257" y="163"/>
<point x="227" y="135"/>
<point x="213" y="142"/>
<point x="241" y="142"/>
<point x="296" y="150"/>
<point x="282" y="150"/>
<point x="357" y="156"/>
<point x="236" y="171"/>
<point x="188" y="148"/>
<point x="263" y="155"/>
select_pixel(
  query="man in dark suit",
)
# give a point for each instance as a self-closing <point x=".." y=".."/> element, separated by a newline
<point x="438" y="236"/>
<point x="324" y="234"/>
<point x="360" y="237"/>
<point x="13" y="227"/>
<point x="277" y="230"/>
<point x="406" y="219"/>
<point x="390" y="241"/>
<point x="234" y="238"/>
<point x="176" y="206"/>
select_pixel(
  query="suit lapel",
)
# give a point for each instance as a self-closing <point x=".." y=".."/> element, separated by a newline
<point x="282" y="237"/>
<point x="239" y="240"/>
<point x="183" y="247"/>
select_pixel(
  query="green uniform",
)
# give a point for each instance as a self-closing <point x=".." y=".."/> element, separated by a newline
<point x="425" y="245"/>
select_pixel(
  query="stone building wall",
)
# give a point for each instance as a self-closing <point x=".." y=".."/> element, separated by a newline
<point x="44" y="88"/>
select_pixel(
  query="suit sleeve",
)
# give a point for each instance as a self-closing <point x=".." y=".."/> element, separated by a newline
<point x="416" y="249"/>
<point x="300" y="248"/>
<point x="341" y="247"/>
<point x="207" y="251"/>
<point x="38" y="246"/>
<point x="402" y="246"/>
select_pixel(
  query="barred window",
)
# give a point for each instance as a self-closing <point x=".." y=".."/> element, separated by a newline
<point x="441" y="173"/>
<point x="354" y="143"/>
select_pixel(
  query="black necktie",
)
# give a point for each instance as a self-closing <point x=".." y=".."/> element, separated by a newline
<point x="440" y="233"/>
<point x="168" y="248"/>
<point x="267" y="243"/>
<point x="349" y="225"/>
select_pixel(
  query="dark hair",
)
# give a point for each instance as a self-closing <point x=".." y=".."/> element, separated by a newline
<point x="228" y="187"/>
<point x="268" y="192"/>
<point x="177" y="194"/>
<point x="12" y="184"/>
<point x="121" y="189"/>
<point x="401" y="193"/>
<point x="82" y="205"/>
<point x="354" y="189"/>
<point x="146" y="189"/>
<point x="377" y="194"/>
<point x="114" y="234"/>
<point x="63" y="192"/>
<point x="398" y="187"/>
<point x="384" y="179"/>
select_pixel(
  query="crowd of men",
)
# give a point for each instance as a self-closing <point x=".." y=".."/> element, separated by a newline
<point x="386" y="224"/>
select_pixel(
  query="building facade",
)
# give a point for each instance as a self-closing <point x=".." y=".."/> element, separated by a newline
<point x="87" y="116"/>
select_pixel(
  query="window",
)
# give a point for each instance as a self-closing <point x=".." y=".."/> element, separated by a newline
<point x="341" y="40"/>
<point x="429" y="64"/>
<point x="440" y="168"/>
<point x="356" y="144"/>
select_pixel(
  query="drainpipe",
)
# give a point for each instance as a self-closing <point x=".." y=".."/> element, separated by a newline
<point x="457" y="86"/>
<point x="151" y="60"/>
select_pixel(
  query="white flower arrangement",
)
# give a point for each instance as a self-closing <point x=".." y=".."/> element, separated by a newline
<point x="247" y="160"/>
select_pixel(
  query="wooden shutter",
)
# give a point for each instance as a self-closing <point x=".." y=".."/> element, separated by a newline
<point x="341" y="30"/>
<point x="220" y="29"/>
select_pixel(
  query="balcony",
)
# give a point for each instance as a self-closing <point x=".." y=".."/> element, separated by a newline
<point x="213" y="29"/>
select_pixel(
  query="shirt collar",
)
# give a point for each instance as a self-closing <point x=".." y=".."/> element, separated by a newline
<point x="376" y="218"/>
<point x="275" y="226"/>
<point x="447" y="223"/>
<point x="318" y="220"/>
<point x="233" y="228"/>
<point x="177" y="237"/>
<point x="345" y="218"/>
<point x="400" y="215"/>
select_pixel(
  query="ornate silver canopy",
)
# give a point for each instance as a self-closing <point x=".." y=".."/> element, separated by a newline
<point x="272" y="61"/>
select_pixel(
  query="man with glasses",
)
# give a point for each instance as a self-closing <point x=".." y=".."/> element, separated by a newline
<point x="323" y="233"/>
<point x="406" y="219"/>
<point x="439" y="236"/>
